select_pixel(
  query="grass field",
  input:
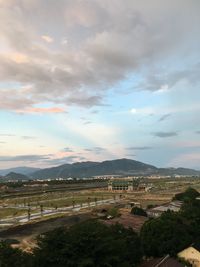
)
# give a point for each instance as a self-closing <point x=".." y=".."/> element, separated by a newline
<point x="163" y="191"/>
<point x="56" y="199"/>
<point x="11" y="212"/>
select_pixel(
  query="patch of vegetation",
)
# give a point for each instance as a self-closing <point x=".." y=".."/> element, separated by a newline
<point x="13" y="257"/>
<point x="167" y="234"/>
<point x="189" y="195"/>
<point x="7" y="212"/>
<point x="90" y="244"/>
<point x="138" y="211"/>
<point x="113" y="212"/>
<point x="173" y="232"/>
<point x="93" y="244"/>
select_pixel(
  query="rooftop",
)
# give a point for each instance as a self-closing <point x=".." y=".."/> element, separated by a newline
<point x="162" y="262"/>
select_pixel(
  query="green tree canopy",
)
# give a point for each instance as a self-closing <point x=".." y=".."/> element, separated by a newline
<point x="167" y="234"/>
<point x="10" y="257"/>
<point x="138" y="211"/>
<point x="189" y="195"/>
<point x="90" y="244"/>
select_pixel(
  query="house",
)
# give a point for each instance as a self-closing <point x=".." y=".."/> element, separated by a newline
<point x="157" y="211"/>
<point x="166" y="261"/>
<point x="191" y="254"/>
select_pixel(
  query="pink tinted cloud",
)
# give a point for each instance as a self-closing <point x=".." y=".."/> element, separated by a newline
<point x="44" y="110"/>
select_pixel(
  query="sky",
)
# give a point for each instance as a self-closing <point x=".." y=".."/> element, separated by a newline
<point x="99" y="80"/>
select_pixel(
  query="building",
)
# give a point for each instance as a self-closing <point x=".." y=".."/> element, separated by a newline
<point x="125" y="184"/>
<point x="157" y="211"/>
<point x="191" y="254"/>
<point x="3" y="188"/>
<point x="166" y="261"/>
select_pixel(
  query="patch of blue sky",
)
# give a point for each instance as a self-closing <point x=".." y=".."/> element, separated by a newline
<point x="10" y="85"/>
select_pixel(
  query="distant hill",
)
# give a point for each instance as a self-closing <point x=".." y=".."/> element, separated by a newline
<point x="22" y="170"/>
<point x="177" y="171"/>
<point x="88" y="169"/>
<point x="15" y="176"/>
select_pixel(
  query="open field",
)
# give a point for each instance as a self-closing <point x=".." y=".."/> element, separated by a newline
<point x="26" y="234"/>
<point x="55" y="199"/>
<point x="11" y="212"/>
<point x="54" y="203"/>
<point x="162" y="191"/>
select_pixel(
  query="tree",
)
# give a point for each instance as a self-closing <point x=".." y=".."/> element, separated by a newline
<point x="113" y="212"/>
<point x="90" y="244"/>
<point x="10" y="257"/>
<point x="189" y="195"/>
<point x="138" y="211"/>
<point x="191" y="212"/>
<point x="167" y="234"/>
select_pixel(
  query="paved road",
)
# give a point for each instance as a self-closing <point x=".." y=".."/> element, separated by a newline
<point x="48" y="212"/>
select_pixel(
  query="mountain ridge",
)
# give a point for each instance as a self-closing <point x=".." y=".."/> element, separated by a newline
<point x="108" y="167"/>
<point x="22" y="170"/>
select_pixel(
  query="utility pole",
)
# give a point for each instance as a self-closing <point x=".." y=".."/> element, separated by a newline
<point x="29" y="212"/>
<point x="41" y="210"/>
<point x="88" y="202"/>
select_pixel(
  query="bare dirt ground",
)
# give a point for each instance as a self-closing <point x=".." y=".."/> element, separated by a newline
<point x="26" y="234"/>
<point x="128" y="220"/>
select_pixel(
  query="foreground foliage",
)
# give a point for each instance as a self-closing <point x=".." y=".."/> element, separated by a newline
<point x="168" y="234"/>
<point x="138" y="211"/>
<point x="89" y="244"/>
<point x="13" y="257"/>
<point x="188" y="196"/>
<point x="173" y="232"/>
<point x="93" y="244"/>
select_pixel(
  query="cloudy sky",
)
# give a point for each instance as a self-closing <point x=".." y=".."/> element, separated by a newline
<point x="97" y="79"/>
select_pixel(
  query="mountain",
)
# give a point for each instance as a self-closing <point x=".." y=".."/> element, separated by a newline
<point x="15" y="176"/>
<point x="178" y="171"/>
<point x="22" y="170"/>
<point x="88" y="169"/>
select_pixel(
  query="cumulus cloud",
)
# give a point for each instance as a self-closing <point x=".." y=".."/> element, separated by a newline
<point x="27" y="137"/>
<point x="7" y="135"/>
<point x="43" y="110"/>
<point x="106" y="42"/>
<point x="48" y="159"/>
<point x="162" y="82"/>
<point x="164" y="117"/>
<point x="47" y="38"/>
<point x="25" y="158"/>
<point x="165" y="134"/>
<point x="139" y="148"/>
<point x="87" y="122"/>
<point x="130" y="155"/>
<point x="67" y="149"/>
<point x="64" y="160"/>
<point x="96" y="150"/>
